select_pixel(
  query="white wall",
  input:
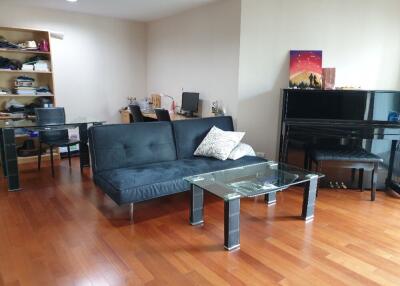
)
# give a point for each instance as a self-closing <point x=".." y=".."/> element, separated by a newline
<point x="100" y="62"/>
<point x="234" y="51"/>
<point x="197" y="50"/>
<point x="361" y="38"/>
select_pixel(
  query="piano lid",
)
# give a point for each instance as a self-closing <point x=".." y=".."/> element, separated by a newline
<point x="340" y="104"/>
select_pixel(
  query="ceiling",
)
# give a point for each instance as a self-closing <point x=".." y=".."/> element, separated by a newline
<point x="139" y="10"/>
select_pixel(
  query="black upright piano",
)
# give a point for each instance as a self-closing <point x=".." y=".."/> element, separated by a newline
<point x="341" y="116"/>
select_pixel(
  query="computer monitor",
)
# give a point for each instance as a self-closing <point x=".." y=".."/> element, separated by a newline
<point x="190" y="102"/>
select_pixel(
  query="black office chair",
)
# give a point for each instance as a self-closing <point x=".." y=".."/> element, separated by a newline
<point x="53" y="138"/>
<point x="138" y="116"/>
<point x="162" y="114"/>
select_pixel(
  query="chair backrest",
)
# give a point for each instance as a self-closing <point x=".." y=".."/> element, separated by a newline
<point x="136" y="113"/>
<point x="162" y="115"/>
<point x="51" y="116"/>
<point x="48" y="116"/>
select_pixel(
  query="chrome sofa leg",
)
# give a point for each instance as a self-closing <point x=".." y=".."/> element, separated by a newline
<point x="131" y="212"/>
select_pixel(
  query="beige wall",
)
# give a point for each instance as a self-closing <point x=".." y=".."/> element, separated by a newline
<point x="361" y="38"/>
<point x="99" y="63"/>
<point x="233" y="51"/>
<point x="197" y="50"/>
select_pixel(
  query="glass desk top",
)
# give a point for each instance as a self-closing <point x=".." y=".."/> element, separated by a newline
<point x="31" y="124"/>
<point x="252" y="180"/>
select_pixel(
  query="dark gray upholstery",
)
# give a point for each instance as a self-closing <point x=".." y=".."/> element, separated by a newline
<point x="140" y="183"/>
<point x="189" y="133"/>
<point x="138" y="162"/>
<point x="127" y="145"/>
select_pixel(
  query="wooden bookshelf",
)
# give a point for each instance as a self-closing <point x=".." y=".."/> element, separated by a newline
<point x="7" y="77"/>
<point x="23" y="71"/>
<point x="23" y="51"/>
<point x="41" y="78"/>
<point x="33" y="95"/>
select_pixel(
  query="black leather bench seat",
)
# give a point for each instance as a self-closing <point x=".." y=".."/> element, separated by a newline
<point x="344" y="154"/>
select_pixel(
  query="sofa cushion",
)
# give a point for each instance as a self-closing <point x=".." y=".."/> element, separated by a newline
<point x="126" y="145"/>
<point x="241" y="150"/>
<point x="190" y="133"/>
<point x="218" y="143"/>
<point x="140" y="183"/>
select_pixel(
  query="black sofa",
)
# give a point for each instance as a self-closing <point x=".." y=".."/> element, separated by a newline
<point x="141" y="161"/>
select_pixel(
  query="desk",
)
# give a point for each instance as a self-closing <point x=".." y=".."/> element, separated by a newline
<point x="8" y="148"/>
<point x="126" y="116"/>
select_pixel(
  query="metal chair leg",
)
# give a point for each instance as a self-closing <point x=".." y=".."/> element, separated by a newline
<point x="69" y="156"/>
<point x="52" y="161"/>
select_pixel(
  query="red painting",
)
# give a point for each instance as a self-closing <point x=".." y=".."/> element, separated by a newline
<point x="305" y="69"/>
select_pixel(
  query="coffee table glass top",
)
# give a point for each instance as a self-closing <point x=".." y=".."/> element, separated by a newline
<point x="251" y="180"/>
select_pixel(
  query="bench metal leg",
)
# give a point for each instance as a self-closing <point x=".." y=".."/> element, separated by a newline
<point x="361" y="179"/>
<point x="374" y="178"/>
<point x="353" y="176"/>
<point x="270" y="199"/>
<point x="232" y="223"/>
<point x="306" y="159"/>
<point x="318" y="169"/>
<point x="310" y="192"/>
<point x="196" y="205"/>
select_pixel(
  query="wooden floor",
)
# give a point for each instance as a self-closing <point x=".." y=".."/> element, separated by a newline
<point x="64" y="231"/>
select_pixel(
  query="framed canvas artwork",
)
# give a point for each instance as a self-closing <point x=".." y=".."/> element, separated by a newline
<point x="305" y="69"/>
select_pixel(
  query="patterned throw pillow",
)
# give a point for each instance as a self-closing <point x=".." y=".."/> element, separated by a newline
<point x="218" y="143"/>
<point x="241" y="150"/>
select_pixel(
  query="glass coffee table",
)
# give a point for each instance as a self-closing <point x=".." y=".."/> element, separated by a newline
<point x="231" y="185"/>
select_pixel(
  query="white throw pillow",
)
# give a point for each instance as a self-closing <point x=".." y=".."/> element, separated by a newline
<point x="241" y="150"/>
<point x="218" y="143"/>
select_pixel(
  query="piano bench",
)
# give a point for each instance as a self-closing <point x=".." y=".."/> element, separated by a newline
<point x="346" y="157"/>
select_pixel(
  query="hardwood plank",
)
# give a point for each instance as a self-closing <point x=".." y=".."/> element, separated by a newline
<point x="65" y="231"/>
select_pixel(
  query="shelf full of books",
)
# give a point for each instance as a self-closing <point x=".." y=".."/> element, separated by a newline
<point x="26" y="72"/>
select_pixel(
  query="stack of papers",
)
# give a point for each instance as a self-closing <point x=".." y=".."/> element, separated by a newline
<point x="42" y="66"/>
<point x="25" y="90"/>
<point x="26" y="67"/>
<point x="24" y="86"/>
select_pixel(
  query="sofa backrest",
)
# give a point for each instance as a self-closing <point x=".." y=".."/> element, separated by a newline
<point x="189" y="133"/>
<point x="126" y="145"/>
